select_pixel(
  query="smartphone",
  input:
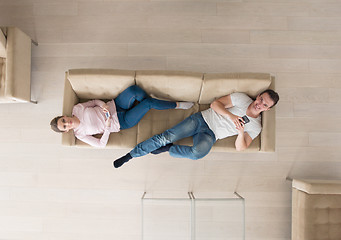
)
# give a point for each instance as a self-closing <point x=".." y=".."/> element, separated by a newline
<point x="107" y="114"/>
<point x="245" y="119"/>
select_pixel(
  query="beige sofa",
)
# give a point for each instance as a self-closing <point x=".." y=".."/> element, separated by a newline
<point x="15" y="66"/>
<point x="85" y="84"/>
<point x="316" y="210"/>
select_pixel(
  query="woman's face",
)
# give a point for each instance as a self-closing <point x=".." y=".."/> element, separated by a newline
<point x="65" y="124"/>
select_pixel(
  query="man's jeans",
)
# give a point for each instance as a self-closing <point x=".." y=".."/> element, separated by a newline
<point x="195" y="125"/>
<point x="128" y="115"/>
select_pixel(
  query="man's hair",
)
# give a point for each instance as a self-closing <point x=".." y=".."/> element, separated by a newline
<point x="54" y="124"/>
<point x="273" y="95"/>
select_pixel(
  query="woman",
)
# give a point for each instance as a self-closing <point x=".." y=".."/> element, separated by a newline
<point x="96" y="116"/>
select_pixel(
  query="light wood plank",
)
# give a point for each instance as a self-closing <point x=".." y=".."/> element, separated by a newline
<point x="305" y="51"/>
<point x="296" y="37"/>
<point x="305" y="124"/>
<point x="225" y="36"/>
<point x="326" y="23"/>
<point x="64" y="8"/>
<point x="309" y="95"/>
<point x="309" y="154"/>
<point x="332" y="9"/>
<point x="290" y="139"/>
<point x="325" y="139"/>
<point x="245" y="23"/>
<point x="236" y="65"/>
<point x="138" y="35"/>
<point x="200" y="50"/>
<point x="286" y="80"/>
<point x="81" y="50"/>
<point x="261" y="9"/>
<point x="325" y="66"/>
<point x="311" y="110"/>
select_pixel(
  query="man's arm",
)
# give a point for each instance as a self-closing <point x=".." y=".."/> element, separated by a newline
<point x="219" y="106"/>
<point x="243" y="140"/>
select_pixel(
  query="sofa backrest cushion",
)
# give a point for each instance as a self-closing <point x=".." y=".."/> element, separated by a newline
<point x="216" y="85"/>
<point x="100" y="83"/>
<point x="170" y="85"/>
<point x="2" y="45"/>
<point x="70" y="99"/>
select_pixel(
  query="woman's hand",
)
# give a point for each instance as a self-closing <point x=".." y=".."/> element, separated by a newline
<point x="108" y="122"/>
<point x="105" y="108"/>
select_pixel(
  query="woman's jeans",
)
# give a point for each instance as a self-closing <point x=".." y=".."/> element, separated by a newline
<point x="195" y="125"/>
<point x="129" y="116"/>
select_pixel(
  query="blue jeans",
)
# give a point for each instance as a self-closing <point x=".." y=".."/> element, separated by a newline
<point x="195" y="125"/>
<point x="128" y="114"/>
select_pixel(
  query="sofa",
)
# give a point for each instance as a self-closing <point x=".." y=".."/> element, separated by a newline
<point x="316" y="209"/>
<point x="15" y="66"/>
<point x="85" y="84"/>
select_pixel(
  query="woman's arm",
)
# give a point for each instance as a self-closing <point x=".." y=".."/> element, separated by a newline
<point x="93" y="103"/>
<point x="96" y="142"/>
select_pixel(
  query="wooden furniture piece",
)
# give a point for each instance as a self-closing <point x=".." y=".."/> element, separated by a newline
<point x="15" y="66"/>
<point x="316" y="210"/>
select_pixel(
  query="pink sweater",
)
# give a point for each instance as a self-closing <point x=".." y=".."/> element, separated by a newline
<point x="92" y="121"/>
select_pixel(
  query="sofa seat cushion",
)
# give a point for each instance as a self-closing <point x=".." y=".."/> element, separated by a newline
<point x="157" y="121"/>
<point x="118" y="140"/>
<point x="171" y="85"/>
<point x="228" y="145"/>
<point x="100" y="83"/>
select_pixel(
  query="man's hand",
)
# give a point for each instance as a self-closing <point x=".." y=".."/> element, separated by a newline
<point x="243" y="140"/>
<point x="238" y="121"/>
<point x="241" y="128"/>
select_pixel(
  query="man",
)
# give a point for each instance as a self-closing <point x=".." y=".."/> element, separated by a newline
<point x="223" y="119"/>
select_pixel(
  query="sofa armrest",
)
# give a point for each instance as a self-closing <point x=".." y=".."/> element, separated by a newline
<point x="70" y="100"/>
<point x="2" y="44"/>
<point x="313" y="186"/>
<point x="268" y="134"/>
<point x="18" y="65"/>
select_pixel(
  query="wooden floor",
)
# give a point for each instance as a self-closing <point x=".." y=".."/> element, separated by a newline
<point x="50" y="192"/>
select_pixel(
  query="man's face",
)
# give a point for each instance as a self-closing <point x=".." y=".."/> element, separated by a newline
<point x="263" y="103"/>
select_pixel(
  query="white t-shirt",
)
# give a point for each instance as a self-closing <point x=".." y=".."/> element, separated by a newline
<point x="223" y="127"/>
